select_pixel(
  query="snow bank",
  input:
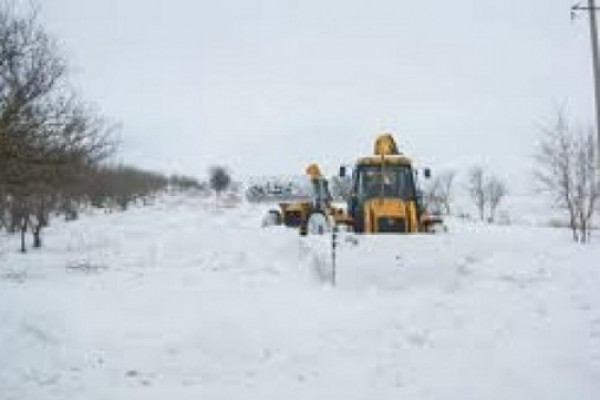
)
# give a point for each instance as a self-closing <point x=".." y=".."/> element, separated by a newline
<point x="188" y="301"/>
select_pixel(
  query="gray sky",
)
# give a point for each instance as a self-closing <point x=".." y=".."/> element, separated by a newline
<point x="266" y="86"/>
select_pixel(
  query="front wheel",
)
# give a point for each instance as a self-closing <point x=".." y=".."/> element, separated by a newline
<point x="438" y="228"/>
<point x="272" y="218"/>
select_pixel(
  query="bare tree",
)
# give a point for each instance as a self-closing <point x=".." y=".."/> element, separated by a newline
<point x="219" y="179"/>
<point x="476" y="189"/>
<point x="566" y="171"/>
<point x="487" y="192"/>
<point x="495" y="190"/>
<point x="438" y="195"/>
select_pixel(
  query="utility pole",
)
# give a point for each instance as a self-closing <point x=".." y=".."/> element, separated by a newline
<point x="591" y="9"/>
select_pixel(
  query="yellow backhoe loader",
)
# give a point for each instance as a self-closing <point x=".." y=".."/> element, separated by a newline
<point x="315" y="215"/>
<point x="385" y="196"/>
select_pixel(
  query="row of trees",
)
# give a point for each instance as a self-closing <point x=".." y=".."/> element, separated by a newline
<point x="53" y="146"/>
<point x="49" y="138"/>
<point x="116" y="187"/>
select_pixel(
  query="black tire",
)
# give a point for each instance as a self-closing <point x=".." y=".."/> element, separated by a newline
<point x="272" y="218"/>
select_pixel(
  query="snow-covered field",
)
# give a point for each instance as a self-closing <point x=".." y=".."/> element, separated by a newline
<point x="183" y="301"/>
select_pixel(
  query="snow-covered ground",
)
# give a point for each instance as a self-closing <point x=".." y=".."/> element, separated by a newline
<point x="183" y="301"/>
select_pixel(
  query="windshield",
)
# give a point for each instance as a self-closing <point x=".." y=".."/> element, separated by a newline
<point x="390" y="181"/>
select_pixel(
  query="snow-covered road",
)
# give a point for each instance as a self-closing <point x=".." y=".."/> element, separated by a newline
<point x="179" y="300"/>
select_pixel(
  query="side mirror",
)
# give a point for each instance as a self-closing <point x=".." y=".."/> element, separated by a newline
<point x="427" y="173"/>
<point x="342" y="171"/>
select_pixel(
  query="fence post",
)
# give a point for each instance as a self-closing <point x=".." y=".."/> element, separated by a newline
<point x="334" y="243"/>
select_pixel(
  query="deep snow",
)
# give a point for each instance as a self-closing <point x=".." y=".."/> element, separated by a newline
<point x="181" y="300"/>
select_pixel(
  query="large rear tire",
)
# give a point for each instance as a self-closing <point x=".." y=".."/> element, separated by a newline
<point x="318" y="224"/>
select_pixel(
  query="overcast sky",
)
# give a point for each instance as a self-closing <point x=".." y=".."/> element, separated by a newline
<point x="265" y="86"/>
